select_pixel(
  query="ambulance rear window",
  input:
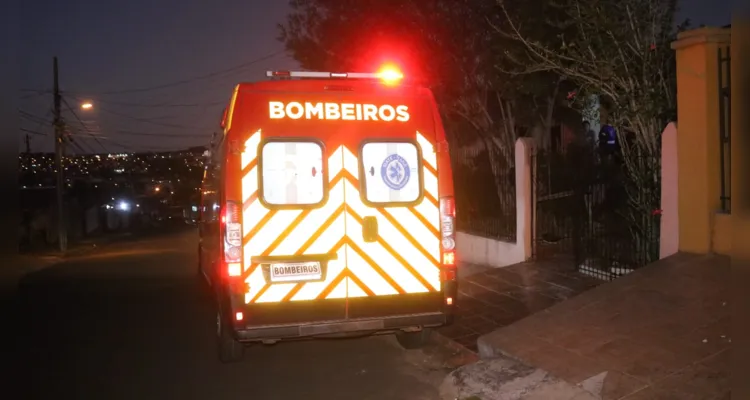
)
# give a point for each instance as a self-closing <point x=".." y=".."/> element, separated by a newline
<point x="292" y="173"/>
<point x="393" y="173"/>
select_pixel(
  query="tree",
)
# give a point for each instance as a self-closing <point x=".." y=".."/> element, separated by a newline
<point x="447" y="44"/>
<point x="618" y="51"/>
<point x="475" y="73"/>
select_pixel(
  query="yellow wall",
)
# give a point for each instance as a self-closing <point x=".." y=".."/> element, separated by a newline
<point x="698" y="141"/>
<point x="721" y="238"/>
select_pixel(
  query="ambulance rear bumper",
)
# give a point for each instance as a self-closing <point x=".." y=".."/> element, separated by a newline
<point x="326" y="328"/>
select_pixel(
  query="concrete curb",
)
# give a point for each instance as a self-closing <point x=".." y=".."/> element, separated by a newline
<point x="493" y="374"/>
<point x="467" y="355"/>
<point x="503" y="378"/>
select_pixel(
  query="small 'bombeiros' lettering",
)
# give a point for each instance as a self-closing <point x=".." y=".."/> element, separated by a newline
<point x="336" y="111"/>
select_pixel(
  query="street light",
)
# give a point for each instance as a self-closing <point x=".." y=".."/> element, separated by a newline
<point x="87" y="106"/>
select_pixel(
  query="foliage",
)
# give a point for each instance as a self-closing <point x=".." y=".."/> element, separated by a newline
<point x="499" y="68"/>
<point x="620" y="52"/>
<point x="445" y="44"/>
<point x="450" y="46"/>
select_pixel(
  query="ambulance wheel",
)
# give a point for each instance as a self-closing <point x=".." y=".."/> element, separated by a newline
<point x="230" y="350"/>
<point x="413" y="340"/>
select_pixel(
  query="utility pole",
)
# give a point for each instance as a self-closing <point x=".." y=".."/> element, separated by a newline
<point x="28" y="144"/>
<point x="62" y="233"/>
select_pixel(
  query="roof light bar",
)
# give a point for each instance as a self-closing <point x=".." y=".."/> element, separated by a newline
<point x="323" y="75"/>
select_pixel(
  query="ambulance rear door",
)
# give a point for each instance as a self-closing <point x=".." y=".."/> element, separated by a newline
<point x="392" y="213"/>
<point x="293" y="217"/>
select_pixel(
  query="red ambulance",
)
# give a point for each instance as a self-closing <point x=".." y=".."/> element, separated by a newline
<point x="328" y="210"/>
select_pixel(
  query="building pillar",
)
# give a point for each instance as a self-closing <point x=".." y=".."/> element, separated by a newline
<point x="698" y="136"/>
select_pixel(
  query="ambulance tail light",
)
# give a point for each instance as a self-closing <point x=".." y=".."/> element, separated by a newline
<point x="448" y="237"/>
<point x="232" y="232"/>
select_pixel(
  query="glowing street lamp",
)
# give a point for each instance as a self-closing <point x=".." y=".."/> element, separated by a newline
<point x="87" y="106"/>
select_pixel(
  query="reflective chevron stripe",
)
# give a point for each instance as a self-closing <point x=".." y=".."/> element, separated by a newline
<point x="404" y="258"/>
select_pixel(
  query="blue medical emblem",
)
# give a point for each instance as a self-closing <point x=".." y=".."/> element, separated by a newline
<point x="395" y="172"/>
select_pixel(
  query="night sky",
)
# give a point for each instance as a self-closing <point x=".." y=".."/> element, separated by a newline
<point x="111" y="52"/>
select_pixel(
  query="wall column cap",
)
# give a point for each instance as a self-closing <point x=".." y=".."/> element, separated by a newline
<point x="702" y="36"/>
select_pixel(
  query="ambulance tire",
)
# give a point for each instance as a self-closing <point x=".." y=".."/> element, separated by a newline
<point x="230" y="350"/>
<point x="413" y="340"/>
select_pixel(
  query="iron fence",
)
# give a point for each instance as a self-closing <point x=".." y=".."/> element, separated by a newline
<point x="725" y="134"/>
<point x="485" y="192"/>
<point x="595" y="213"/>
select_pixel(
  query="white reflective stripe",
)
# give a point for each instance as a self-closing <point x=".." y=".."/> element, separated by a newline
<point x="250" y="152"/>
<point x="314" y="221"/>
<point x="427" y="240"/>
<point x="270" y="231"/>
<point x="353" y="290"/>
<point x="430" y="212"/>
<point x="256" y="283"/>
<point x="340" y="291"/>
<point x="430" y="183"/>
<point x="252" y="216"/>
<point x="350" y="162"/>
<point x="335" y="163"/>
<point x="323" y="245"/>
<point x="328" y="239"/>
<point x="428" y="151"/>
<point x="362" y="270"/>
<point x="396" y="240"/>
<point x="249" y="184"/>
<point x="391" y="266"/>
<point x="275" y="292"/>
<point x="230" y="109"/>
<point x="312" y="290"/>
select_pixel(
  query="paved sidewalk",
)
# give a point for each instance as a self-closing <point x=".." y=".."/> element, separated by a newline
<point x="661" y="332"/>
<point x="492" y="298"/>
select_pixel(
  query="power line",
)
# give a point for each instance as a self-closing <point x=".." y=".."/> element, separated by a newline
<point x="40" y="122"/>
<point x="33" y="132"/>
<point x="149" y="148"/>
<point x="34" y="118"/>
<point x="79" y="146"/>
<point x="196" y="78"/>
<point x="155" y="105"/>
<point x="214" y="74"/>
<point x="161" y="105"/>
<point x="34" y="94"/>
<point x="174" y="135"/>
<point x="83" y="124"/>
<point x="146" y="120"/>
<point x="163" y="135"/>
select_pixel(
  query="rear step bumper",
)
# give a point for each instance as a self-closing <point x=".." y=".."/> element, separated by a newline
<point x="365" y="325"/>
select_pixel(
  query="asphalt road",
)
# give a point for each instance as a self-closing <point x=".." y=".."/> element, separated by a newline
<point x="131" y="321"/>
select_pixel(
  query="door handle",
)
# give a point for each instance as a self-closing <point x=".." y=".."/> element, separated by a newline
<point x="370" y="229"/>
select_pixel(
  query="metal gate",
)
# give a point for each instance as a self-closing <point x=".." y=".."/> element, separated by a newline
<point x="582" y="215"/>
<point x="725" y="133"/>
